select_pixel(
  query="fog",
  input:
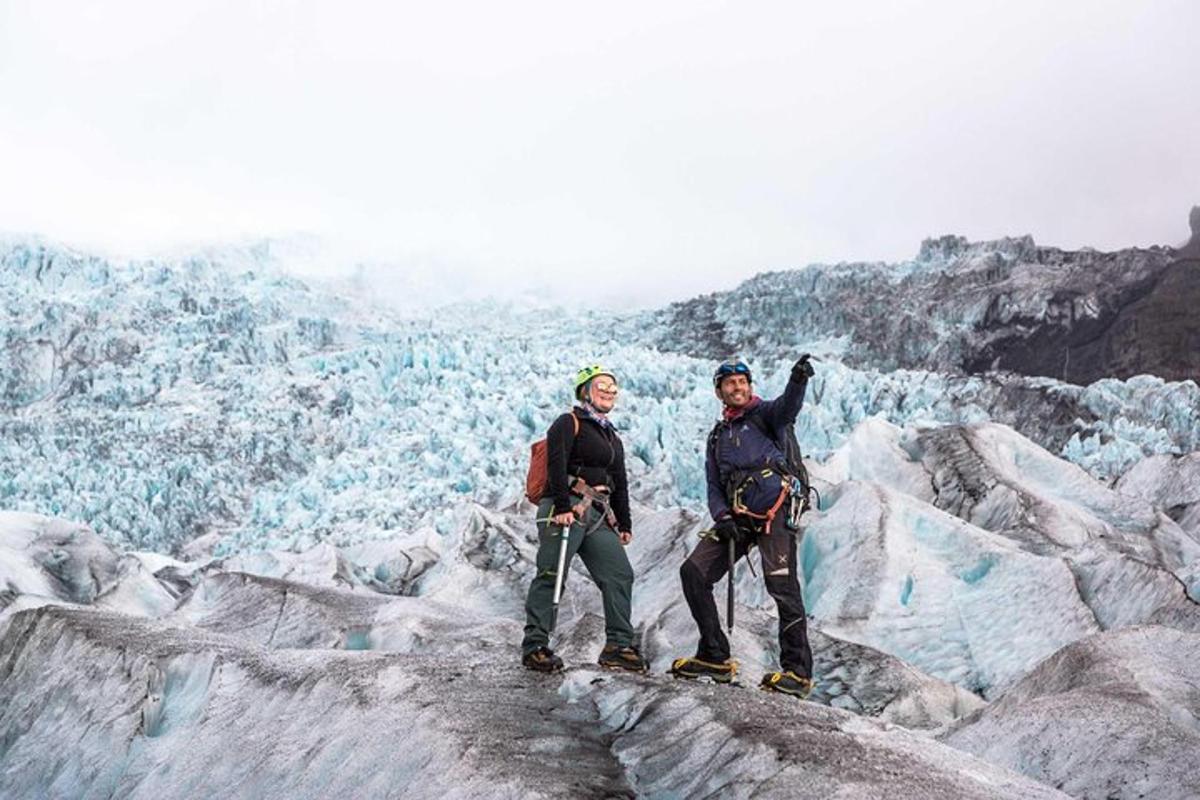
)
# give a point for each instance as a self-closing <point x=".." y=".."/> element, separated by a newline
<point x="644" y="152"/>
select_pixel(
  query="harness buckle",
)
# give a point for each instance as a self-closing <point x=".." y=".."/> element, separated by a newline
<point x="597" y="496"/>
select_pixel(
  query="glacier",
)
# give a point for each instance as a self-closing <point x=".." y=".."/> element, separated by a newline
<point x="164" y="402"/>
<point x="234" y="503"/>
<point x="1128" y="692"/>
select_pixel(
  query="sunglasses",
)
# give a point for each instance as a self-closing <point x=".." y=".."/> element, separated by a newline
<point x="737" y="368"/>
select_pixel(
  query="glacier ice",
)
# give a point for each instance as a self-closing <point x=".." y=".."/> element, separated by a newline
<point x="313" y="671"/>
<point x="163" y="402"/>
<point x="897" y="574"/>
<point x="1130" y="694"/>
<point x="959" y="307"/>
<point x="338" y="487"/>
<point x="1171" y="483"/>
<point x="165" y="702"/>
<point x="951" y="511"/>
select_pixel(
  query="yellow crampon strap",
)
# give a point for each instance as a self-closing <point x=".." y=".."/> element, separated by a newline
<point x="773" y="678"/>
<point x="679" y="663"/>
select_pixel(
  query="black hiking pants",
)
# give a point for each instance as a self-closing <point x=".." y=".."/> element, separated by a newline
<point x="709" y="562"/>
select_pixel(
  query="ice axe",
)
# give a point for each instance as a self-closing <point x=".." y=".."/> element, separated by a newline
<point x="565" y="536"/>
<point x="729" y="596"/>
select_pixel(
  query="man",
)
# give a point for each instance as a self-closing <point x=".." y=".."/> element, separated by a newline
<point x="749" y="491"/>
<point x="587" y="492"/>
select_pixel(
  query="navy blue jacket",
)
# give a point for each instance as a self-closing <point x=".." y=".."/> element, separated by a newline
<point x="739" y="445"/>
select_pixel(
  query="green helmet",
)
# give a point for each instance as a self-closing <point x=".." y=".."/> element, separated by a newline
<point x="586" y="374"/>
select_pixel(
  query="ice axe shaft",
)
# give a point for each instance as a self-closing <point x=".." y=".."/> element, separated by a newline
<point x="565" y="536"/>
<point x="729" y="596"/>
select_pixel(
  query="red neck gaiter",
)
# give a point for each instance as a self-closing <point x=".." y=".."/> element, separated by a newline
<point x="731" y="413"/>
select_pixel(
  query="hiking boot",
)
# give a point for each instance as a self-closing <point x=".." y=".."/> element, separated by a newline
<point x="691" y="668"/>
<point x="542" y="660"/>
<point x="617" y="657"/>
<point x="787" y="682"/>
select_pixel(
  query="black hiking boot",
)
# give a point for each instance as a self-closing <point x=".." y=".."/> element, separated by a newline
<point x="692" y="668"/>
<point x="617" y="657"/>
<point x="787" y="682"/>
<point x="542" y="660"/>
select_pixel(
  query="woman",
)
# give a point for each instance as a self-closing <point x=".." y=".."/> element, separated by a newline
<point x="586" y="492"/>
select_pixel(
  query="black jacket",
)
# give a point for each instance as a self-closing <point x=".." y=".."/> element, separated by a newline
<point x="595" y="454"/>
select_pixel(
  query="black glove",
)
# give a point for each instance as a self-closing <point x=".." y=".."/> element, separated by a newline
<point x="803" y="369"/>
<point x="726" y="529"/>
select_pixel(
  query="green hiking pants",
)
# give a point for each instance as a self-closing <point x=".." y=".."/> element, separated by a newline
<point x="605" y="559"/>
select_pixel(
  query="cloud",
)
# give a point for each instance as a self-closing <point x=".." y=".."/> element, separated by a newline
<point x="662" y="149"/>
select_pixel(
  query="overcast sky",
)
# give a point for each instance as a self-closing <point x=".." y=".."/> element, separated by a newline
<point x="639" y="151"/>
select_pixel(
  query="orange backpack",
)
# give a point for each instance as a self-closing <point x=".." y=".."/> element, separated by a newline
<point x="537" y="478"/>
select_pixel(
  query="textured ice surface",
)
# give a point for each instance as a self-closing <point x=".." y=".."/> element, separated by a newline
<point x="972" y="553"/>
<point x="162" y="705"/>
<point x="1113" y="715"/>
<point x="44" y="560"/>
<point x="1133" y="563"/>
<point x="959" y="307"/>
<point x="340" y="484"/>
<point x="1171" y="483"/>
<point x="305" y="678"/>
<point x="923" y="594"/>
<point x="163" y="402"/>
<point x="953" y="599"/>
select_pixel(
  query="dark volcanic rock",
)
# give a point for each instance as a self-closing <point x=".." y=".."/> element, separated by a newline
<point x="963" y="307"/>
<point x="1150" y="327"/>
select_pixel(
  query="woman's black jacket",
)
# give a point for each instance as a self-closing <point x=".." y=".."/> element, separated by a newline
<point x="594" y="454"/>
